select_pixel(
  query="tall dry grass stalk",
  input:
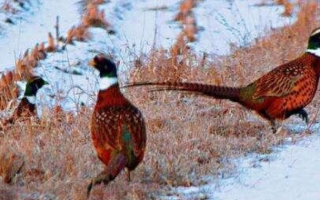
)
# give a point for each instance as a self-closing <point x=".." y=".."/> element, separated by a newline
<point x="189" y="27"/>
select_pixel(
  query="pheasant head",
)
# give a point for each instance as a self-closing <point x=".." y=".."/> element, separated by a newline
<point x="107" y="69"/>
<point x="33" y="85"/>
<point x="314" y="42"/>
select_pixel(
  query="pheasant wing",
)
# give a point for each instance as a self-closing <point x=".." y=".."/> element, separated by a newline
<point x="136" y="127"/>
<point x="277" y="83"/>
<point x="107" y="128"/>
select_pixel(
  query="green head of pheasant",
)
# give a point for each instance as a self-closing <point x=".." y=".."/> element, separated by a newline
<point x="33" y="85"/>
<point x="314" y="42"/>
<point x="107" y="69"/>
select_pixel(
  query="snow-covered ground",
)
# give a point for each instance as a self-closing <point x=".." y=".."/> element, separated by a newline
<point x="33" y="28"/>
<point x="238" y="22"/>
<point x="290" y="173"/>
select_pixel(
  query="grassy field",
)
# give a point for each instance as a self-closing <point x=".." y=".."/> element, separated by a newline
<point x="189" y="137"/>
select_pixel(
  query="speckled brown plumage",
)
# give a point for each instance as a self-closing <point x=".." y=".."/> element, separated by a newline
<point x="26" y="108"/>
<point x="112" y="117"/>
<point x="277" y="95"/>
<point x="117" y="128"/>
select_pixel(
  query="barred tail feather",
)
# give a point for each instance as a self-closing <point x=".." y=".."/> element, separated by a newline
<point x="219" y="92"/>
<point x="115" y="166"/>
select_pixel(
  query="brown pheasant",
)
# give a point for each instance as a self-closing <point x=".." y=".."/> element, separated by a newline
<point x="277" y="95"/>
<point x="27" y="106"/>
<point x="117" y="127"/>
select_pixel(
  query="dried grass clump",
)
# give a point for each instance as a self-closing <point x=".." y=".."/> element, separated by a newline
<point x="24" y="66"/>
<point x="288" y="7"/>
<point x="189" y="27"/>
<point x="8" y="88"/>
<point x="52" y="47"/>
<point x="180" y="47"/>
<point x="188" y="136"/>
<point x="78" y="33"/>
<point x="10" y="165"/>
<point x="95" y="18"/>
<point x="185" y="8"/>
<point x="84" y="4"/>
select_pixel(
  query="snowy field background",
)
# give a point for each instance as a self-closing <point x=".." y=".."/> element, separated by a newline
<point x="291" y="172"/>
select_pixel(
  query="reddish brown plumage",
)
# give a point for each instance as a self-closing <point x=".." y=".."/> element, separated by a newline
<point x="112" y="112"/>
<point x="24" y="110"/>
<point x="117" y="129"/>
<point x="282" y="92"/>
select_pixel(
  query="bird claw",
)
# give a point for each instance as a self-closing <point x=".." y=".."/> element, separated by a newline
<point x="303" y="115"/>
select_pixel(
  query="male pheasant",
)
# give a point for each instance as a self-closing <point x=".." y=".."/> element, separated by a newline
<point x="117" y="127"/>
<point x="27" y="105"/>
<point x="277" y="95"/>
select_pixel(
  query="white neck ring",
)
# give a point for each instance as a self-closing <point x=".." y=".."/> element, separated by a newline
<point x="314" y="51"/>
<point x="31" y="99"/>
<point x="106" y="82"/>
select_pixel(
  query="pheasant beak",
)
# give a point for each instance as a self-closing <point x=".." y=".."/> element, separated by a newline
<point x="92" y="63"/>
<point x="45" y="83"/>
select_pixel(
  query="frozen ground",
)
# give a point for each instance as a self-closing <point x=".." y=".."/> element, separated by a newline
<point x="237" y="22"/>
<point x="291" y="172"/>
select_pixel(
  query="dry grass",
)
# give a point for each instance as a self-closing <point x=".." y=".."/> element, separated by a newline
<point x="188" y="136"/>
<point x="189" y="27"/>
<point x="287" y="5"/>
<point x="95" y="17"/>
<point x="25" y="64"/>
<point x="8" y="89"/>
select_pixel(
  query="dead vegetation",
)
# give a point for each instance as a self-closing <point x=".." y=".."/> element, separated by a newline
<point x="287" y="5"/>
<point x="25" y="64"/>
<point x="189" y="27"/>
<point x="188" y="136"/>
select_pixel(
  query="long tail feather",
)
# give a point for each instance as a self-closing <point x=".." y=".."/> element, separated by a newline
<point x="116" y="165"/>
<point x="220" y="92"/>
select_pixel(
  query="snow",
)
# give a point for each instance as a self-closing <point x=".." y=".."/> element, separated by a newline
<point x="290" y="173"/>
<point x="33" y="29"/>
<point x="234" y="22"/>
<point x="293" y="174"/>
<point x="139" y="27"/>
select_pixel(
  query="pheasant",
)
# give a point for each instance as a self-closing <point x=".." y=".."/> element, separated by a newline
<point x="277" y="95"/>
<point x="27" y="105"/>
<point x="117" y="127"/>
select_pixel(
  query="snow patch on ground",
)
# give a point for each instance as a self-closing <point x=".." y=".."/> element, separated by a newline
<point x="234" y="22"/>
<point x="34" y="29"/>
<point x="282" y="175"/>
<point x="291" y="172"/>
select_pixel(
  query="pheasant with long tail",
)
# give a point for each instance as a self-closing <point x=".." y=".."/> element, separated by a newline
<point x="117" y="127"/>
<point x="277" y="95"/>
